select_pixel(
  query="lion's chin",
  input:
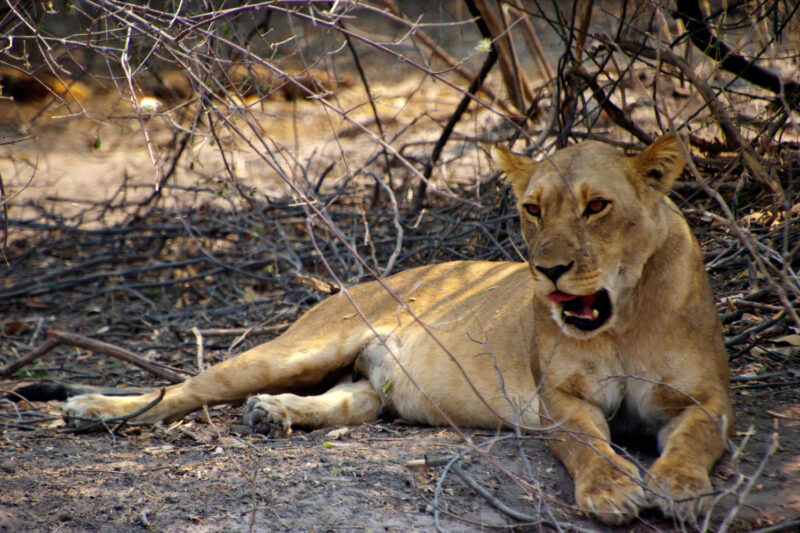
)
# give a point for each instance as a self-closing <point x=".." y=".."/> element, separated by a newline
<point x="587" y="313"/>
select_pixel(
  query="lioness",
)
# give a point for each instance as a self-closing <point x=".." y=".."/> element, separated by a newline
<point x="610" y="318"/>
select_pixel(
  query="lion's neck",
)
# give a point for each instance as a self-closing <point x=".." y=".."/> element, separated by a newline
<point x="670" y="273"/>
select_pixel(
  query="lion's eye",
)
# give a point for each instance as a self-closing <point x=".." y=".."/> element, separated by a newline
<point x="595" y="206"/>
<point x="533" y="210"/>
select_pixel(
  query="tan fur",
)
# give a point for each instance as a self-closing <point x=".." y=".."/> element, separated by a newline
<point x="468" y="342"/>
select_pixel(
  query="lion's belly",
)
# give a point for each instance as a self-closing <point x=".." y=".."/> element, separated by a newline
<point x="466" y="384"/>
<point x="471" y="362"/>
<point x="464" y="352"/>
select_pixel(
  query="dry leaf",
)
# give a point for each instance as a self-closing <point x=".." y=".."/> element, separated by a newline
<point x="231" y="442"/>
<point x="316" y="284"/>
<point x="159" y="450"/>
<point x="334" y="445"/>
<point x="250" y="295"/>
<point x="338" y="433"/>
<point x="794" y="340"/>
<point x="750" y="318"/>
<point x="14" y="327"/>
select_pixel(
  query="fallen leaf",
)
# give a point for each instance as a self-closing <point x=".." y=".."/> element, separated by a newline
<point x="750" y="318"/>
<point x="794" y="340"/>
<point x="159" y="450"/>
<point x="14" y="327"/>
<point x="335" y="445"/>
<point x="338" y="433"/>
<point x="55" y="423"/>
<point x="250" y="295"/>
<point x="231" y="442"/>
<point x="317" y="284"/>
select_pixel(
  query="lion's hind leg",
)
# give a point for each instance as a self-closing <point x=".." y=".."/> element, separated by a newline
<point x="313" y="349"/>
<point x="97" y="406"/>
<point x="348" y="403"/>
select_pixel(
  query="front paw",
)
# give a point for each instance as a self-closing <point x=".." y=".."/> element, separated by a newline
<point x="266" y="414"/>
<point x="611" y="492"/>
<point x="679" y="489"/>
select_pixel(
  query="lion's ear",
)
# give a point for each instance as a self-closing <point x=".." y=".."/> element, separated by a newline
<point x="518" y="168"/>
<point x="661" y="162"/>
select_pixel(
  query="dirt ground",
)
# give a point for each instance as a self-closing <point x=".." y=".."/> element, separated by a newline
<point x="201" y="476"/>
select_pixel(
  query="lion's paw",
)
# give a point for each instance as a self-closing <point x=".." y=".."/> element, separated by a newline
<point x="679" y="490"/>
<point x="267" y="414"/>
<point x="611" y="493"/>
<point x="86" y="406"/>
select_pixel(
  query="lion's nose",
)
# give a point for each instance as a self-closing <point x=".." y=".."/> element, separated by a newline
<point x="554" y="272"/>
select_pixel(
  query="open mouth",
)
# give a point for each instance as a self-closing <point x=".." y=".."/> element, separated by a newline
<point x="587" y="312"/>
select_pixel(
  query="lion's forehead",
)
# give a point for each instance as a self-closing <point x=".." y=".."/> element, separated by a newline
<point x="557" y="194"/>
<point x="581" y="177"/>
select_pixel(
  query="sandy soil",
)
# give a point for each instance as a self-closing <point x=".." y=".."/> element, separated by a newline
<point x="218" y="477"/>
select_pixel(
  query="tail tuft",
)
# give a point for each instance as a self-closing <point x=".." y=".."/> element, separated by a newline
<point x="41" y="392"/>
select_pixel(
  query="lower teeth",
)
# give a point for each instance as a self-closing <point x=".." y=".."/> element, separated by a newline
<point x="595" y="314"/>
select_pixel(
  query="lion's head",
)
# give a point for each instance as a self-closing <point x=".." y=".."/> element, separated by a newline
<point x="592" y="217"/>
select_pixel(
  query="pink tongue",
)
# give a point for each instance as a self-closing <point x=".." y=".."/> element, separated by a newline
<point x="563" y="297"/>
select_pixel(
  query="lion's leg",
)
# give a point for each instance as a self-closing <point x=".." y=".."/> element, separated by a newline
<point x="607" y="485"/>
<point x="398" y="394"/>
<point x="348" y="403"/>
<point x="301" y="357"/>
<point x="691" y="442"/>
